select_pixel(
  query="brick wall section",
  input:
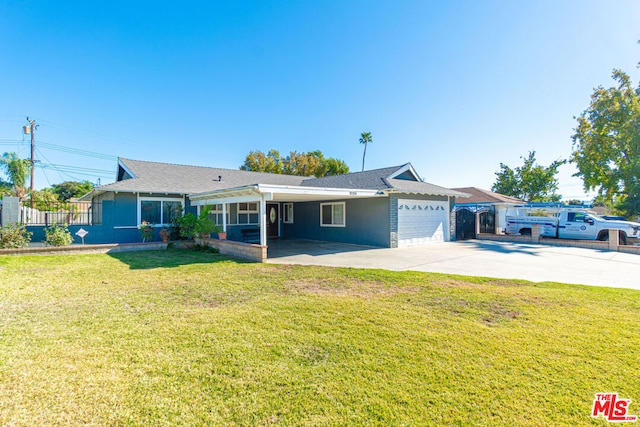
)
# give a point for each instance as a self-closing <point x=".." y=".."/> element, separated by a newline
<point x="629" y="249"/>
<point x="393" y="215"/>
<point x="504" y="238"/>
<point x="452" y="222"/>
<point x="587" y="244"/>
<point x="535" y="233"/>
<point x="240" y="250"/>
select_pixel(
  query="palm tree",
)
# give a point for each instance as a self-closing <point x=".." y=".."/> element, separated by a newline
<point x="17" y="170"/>
<point x="365" y="138"/>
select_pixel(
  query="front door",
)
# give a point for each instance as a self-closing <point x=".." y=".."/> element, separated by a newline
<point x="273" y="220"/>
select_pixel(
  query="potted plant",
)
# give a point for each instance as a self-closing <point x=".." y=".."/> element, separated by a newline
<point x="164" y="234"/>
<point x="222" y="235"/>
<point x="146" y="231"/>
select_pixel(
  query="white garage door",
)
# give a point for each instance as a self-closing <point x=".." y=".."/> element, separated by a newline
<point x="421" y="221"/>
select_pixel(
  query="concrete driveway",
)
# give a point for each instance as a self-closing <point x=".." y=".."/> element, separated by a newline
<point x="536" y="263"/>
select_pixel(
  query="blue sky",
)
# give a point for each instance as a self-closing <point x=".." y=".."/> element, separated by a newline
<point x="453" y="87"/>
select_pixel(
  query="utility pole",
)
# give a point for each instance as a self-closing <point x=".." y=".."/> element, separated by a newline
<point x="32" y="129"/>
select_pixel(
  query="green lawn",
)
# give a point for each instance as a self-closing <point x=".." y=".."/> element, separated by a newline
<point x="185" y="338"/>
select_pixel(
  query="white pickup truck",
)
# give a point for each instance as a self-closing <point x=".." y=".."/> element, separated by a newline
<point x="569" y="224"/>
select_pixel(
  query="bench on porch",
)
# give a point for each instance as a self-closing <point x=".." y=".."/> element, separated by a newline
<point x="250" y="235"/>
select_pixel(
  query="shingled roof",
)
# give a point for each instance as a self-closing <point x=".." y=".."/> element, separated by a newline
<point x="367" y="180"/>
<point x="153" y="177"/>
<point x="380" y="179"/>
<point x="478" y="195"/>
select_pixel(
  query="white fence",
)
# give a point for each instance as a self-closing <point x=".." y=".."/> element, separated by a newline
<point x="79" y="213"/>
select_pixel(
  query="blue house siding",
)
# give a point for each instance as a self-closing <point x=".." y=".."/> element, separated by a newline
<point x="367" y="223"/>
<point x="117" y="222"/>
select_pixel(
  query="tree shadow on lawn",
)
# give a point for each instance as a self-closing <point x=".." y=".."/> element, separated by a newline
<point x="169" y="258"/>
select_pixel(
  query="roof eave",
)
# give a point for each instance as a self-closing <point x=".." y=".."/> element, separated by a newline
<point x="279" y="192"/>
<point x="431" y="193"/>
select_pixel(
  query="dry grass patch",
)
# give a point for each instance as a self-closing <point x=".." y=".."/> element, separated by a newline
<point x="345" y="287"/>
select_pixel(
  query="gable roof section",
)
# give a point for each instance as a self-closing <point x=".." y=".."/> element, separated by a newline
<point x="153" y="177"/>
<point x="398" y="179"/>
<point x="479" y="195"/>
<point x="406" y="172"/>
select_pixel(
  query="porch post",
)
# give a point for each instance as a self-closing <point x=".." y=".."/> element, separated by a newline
<point x="263" y="221"/>
<point x="224" y="217"/>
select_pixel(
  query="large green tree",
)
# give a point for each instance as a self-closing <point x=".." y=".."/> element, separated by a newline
<point x="257" y="161"/>
<point x="70" y="189"/>
<point x="606" y="145"/>
<point x="45" y="200"/>
<point x="530" y="182"/>
<point x="5" y="187"/>
<point x="18" y="171"/>
<point x="312" y="163"/>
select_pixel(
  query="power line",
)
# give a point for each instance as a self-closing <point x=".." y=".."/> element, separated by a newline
<point x="78" y="151"/>
<point x="89" y="132"/>
<point x="60" y="173"/>
<point x="64" y="149"/>
<point x="69" y="168"/>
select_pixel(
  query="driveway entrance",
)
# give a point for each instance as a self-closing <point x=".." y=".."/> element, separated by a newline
<point x="536" y="263"/>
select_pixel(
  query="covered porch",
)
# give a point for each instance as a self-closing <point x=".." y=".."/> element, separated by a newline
<point x="260" y="213"/>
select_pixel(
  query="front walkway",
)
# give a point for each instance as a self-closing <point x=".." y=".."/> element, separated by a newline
<point x="537" y="263"/>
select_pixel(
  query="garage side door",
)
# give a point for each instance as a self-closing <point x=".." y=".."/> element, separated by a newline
<point x="421" y="221"/>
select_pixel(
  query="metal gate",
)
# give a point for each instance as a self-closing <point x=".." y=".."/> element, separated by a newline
<point x="466" y="221"/>
<point x="465" y="224"/>
<point x="488" y="221"/>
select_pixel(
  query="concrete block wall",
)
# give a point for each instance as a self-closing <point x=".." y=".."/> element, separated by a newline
<point x="10" y="210"/>
<point x="505" y="238"/>
<point x="550" y="241"/>
<point x="587" y="244"/>
<point x="629" y="249"/>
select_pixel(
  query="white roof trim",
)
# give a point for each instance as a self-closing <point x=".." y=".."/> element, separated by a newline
<point x="126" y="169"/>
<point x="404" y="169"/>
<point x="431" y="193"/>
<point x="278" y="193"/>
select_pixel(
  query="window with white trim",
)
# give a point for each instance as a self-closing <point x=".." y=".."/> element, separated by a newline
<point x="161" y="211"/>
<point x="287" y="213"/>
<point x="216" y="214"/>
<point x="248" y="213"/>
<point x="332" y="214"/>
